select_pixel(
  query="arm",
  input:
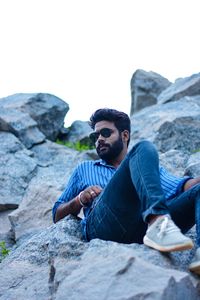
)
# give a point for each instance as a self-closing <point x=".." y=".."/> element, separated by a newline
<point x="190" y="183"/>
<point x="74" y="206"/>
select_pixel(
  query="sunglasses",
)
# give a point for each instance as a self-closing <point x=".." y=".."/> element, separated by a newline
<point x="104" y="132"/>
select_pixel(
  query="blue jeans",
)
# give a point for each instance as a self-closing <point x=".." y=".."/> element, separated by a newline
<point x="133" y="194"/>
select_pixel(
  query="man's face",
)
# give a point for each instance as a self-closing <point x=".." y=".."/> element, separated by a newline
<point x="108" y="148"/>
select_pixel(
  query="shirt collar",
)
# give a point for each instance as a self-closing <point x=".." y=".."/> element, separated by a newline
<point x="103" y="163"/>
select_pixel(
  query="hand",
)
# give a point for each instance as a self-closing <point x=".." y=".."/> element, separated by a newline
<point x="190" y="183"/>
<point x="90" y="193"/>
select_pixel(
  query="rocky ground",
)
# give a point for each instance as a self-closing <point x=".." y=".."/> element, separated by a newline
<point x="51" y="261"/>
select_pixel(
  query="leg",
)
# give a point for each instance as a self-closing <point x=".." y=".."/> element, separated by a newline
<point x="133" y="194"/>
<point x="185" y="210"/>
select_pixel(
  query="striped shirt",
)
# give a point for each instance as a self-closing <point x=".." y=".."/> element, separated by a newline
<point x="97" y="172"/>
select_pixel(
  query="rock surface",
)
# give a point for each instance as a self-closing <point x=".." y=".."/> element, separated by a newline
<point x="79" y="131"/>
<point x="145" y="88"/>
<point x="45" y="111"/>
<point x="17" y="168"/>
<point x="51" y="261"/>
<point x="57" y="264"/>
<point x="147" y="122"/>
<point x="189" y="86"/>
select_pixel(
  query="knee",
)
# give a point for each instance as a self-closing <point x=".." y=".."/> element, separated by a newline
<point x="196" y="187"/>
<point x="194" y="191"/>
<point x="144" y="146"/>
<point x="190" y="183"/>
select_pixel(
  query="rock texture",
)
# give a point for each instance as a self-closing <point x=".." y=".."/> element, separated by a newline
<point x="51" y="261"/>
<point x="79" y="130"/>
<point x="57" y="264"/>
<point x="145" y="88"/>
<point x="151" y="122"/>
<point x="40" y="115"/>
<point x="189" y="86"/>
<point x="17" y="168"/>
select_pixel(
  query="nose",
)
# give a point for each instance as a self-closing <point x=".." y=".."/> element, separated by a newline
<point x="100" y="138"/>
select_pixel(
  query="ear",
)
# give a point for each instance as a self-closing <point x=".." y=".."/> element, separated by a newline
<point x="125" y="136"/>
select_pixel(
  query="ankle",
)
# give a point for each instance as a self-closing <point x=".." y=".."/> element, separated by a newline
<point x="153" y="218"/>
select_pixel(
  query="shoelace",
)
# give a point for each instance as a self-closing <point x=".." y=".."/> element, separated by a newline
<point x="167" y="226"/>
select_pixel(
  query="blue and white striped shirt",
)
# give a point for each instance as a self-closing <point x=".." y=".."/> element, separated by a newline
<point x="97" y="172"/>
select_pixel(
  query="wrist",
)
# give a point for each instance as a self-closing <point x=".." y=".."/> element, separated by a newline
<point x="79" y="197"/>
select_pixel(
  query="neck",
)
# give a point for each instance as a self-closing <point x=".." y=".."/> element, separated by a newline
<point x="117" y="161"/>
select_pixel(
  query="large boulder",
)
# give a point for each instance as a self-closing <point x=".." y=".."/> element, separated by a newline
<point x="30" y="265"/>
<point x="193" y="164"/>
<point x="79" y="132"/>
<point x="52" y="261"/>
<point x="21" y="125"/>
<point x="188" y="86"/>
<point x="57" y="264"/>
<point x="145" y="88"/>
<point x="48" y="111"/>
<point x="6" y="234"/>
<point x="17" y="168"/>
<point x="183" y="134"/>
<point x="55" y="164"/>
<point x="146" y="123"/>
<point x="175" y="161"/>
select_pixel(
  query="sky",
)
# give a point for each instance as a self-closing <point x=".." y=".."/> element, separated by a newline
<point x="86" y="51"/>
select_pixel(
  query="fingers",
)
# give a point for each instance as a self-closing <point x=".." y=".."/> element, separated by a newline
<point x="97" y="189"/>
<point x="90" y="193"/>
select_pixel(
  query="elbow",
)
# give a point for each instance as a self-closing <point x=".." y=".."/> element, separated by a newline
<point x="56" y="218"/>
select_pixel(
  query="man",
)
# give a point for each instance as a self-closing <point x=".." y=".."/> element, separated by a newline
<point x="127" y="197"/>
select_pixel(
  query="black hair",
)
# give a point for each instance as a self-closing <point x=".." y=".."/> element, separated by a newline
<point x="120" y="119"/>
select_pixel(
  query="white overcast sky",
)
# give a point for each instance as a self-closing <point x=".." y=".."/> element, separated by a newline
<point x="85" y="51"/>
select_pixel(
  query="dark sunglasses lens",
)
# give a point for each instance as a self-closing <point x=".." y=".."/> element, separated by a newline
<point x="106" y="132"/>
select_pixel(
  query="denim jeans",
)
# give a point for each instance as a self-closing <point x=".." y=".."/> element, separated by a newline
<point x="133" y="194"/>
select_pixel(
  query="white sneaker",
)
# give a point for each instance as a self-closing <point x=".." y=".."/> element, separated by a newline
<point x="165" y="236"/>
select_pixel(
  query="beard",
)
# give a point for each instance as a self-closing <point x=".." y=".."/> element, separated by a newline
<point x="110" y="151"/>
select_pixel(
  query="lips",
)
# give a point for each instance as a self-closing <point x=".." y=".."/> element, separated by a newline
<point x="102" y="147"/>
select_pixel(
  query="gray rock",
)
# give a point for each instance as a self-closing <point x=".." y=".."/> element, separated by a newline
<point x="28" y="269"/>
<point x="145" y="88"/>
<point x="6" y="235"/>
<point x="182" y="134"/>
<point x="146" y="123"/>
<point x="89" y="154"/>
<point x="21" y="125"/>
<point x="120" y="274"/>
<point x="17" y="168"/>
<point x="193" y="165"/>
<point x="47" y="110"/>
<point x="188" y="86"/>
<point x="55" y="165"/>
<point x="79" y="132"/>
<point x="4" y="223"/>
<point x="56" y="263"/>
<point x="175" y="161"/>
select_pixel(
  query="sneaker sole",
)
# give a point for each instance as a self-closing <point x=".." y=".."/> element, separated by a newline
<point x="195" y="267"/>
<point x="178" y="247"/>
